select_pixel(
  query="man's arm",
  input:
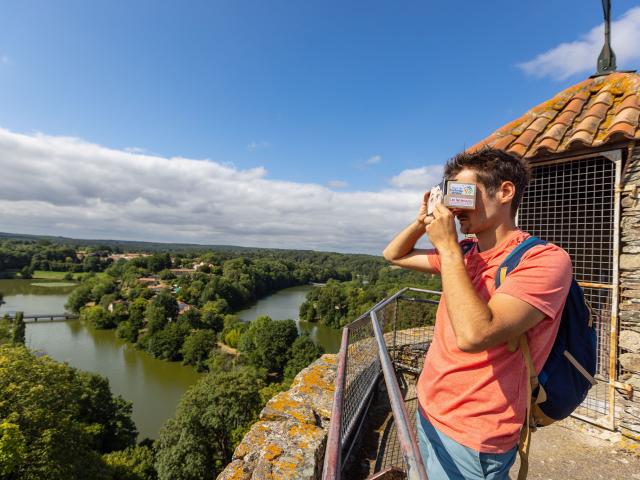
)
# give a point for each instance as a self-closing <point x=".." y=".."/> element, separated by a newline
<point x="401" y="250"/>
<point x="477" y="325"/>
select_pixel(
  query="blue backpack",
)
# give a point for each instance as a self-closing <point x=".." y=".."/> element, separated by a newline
<point x="567" y="375"/>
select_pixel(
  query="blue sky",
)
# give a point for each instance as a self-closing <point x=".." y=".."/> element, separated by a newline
<point x="339" y="95"/>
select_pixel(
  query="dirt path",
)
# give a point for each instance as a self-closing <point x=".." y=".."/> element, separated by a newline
<point x="572" y="450"/>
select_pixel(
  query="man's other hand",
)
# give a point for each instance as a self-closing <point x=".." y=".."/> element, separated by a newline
<point x="441" y="230"/>
<point x="423" y="216"/>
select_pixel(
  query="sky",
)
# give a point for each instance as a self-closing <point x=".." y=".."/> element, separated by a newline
<point x="288" y="124"/>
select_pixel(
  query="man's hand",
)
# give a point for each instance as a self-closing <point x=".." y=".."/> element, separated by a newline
<point x="442" y="229"/>
<point x="423" y="217"/>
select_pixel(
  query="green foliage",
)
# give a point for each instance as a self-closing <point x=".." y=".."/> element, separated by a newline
<point x="19" y="329"/>
<point x="13" y="448"/>
<point x="57" y="420"/>
<point x="167" y="343"/>
<point x="191" y="316"/>
<point x="303" y="352"/>
<point x="197" y="347"/>
<point x="337" y="304"/>
<point x="167" y="302"/>
<point x="267" y="343"/>
<point x="98" y="317"/>
<point x="126" y="332"/>
<point x="166" y="274"/>
<point x="212" y="314"/>
<point x="5" y="329"/>
<point x="155" y="317"/>
<point x="233" y="330"/>
<point x="210" y="420"/>
<point x="132" y="463"/>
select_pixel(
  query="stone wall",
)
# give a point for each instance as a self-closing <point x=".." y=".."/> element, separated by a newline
<point x="629" y="311"/>
<point x="288" y="441"/>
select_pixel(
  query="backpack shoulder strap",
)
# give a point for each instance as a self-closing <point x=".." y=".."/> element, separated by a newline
<point x="513" y="259"/>
<point x="466" y="246"/>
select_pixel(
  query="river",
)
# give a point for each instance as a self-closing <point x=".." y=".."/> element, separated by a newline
<point x="154" y="386"/>
<point x="284" y="305"/>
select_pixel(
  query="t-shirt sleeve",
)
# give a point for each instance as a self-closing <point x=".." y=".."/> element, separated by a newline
<point x="434" y="259"/>
<point x="542" y="279"/>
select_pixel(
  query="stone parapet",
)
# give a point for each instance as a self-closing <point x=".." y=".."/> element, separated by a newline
<point x="288" y="441"/>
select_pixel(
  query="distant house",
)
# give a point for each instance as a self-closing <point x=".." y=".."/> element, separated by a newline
<point x="183" y="307"/>
<point x="113" y="304"/>
<point x="126" y="256"/>
<point x="182" y="271"/>
<point x="148" y="280"/>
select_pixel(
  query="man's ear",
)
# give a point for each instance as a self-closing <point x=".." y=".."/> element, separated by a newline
<point x="506" y="192"/>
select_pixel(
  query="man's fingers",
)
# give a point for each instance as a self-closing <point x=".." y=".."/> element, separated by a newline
<point x="425" y="197"/>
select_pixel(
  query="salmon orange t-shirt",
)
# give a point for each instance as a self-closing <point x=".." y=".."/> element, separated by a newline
<point x="479" y="399"/>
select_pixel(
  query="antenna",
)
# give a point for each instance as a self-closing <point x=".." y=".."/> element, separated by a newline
<point x="607" y="59"/>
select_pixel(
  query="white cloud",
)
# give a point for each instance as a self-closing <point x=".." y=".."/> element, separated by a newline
<point x="4" y="59"/>
<point x="418" y="178"/>
<point x="257" y="145"/>
<point x="135" y="150"/>
<point x="66" y="186"/>
<point x="373" y="160"/>
<point x="581" y="55"/>
<point x="337" y="184"/>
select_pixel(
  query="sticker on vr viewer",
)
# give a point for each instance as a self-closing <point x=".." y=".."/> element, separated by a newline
<point x="461" y="189"/>
<point x="461" y="202"/>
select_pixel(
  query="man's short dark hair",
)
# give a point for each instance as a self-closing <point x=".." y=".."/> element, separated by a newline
<point x="492" y="167"/>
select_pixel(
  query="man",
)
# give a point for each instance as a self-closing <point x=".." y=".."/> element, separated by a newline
<point x="472" y="393"/>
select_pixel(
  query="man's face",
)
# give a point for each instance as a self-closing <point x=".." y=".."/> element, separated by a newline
<point x="486" y="214"/>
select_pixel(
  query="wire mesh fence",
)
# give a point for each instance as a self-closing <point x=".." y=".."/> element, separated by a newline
<point x="572" y="204"/>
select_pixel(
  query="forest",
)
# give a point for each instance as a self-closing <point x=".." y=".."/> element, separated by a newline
<point x="177" y="307"/>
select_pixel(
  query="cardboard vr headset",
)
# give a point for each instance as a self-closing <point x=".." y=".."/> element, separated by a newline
<point x="452" y="194"/>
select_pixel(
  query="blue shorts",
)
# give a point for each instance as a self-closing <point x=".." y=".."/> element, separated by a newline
<point x="446" y="459"/>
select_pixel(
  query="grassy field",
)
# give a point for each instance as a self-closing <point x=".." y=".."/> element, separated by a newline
<point x="46" y="275"/>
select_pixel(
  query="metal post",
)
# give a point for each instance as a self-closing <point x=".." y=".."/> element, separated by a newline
<point x="613" y="349"/>
<point x="410" y="451"/>
<point x="332" y="458"/>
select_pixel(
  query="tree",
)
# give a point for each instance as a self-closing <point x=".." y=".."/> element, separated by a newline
<point x="79" y="297"/>
<point x="98" y="317"/>
<point x="197" y="347"/>
<point x="212" y="314"/>
<point x="267" y="343"/>
<point x="26" y="272"/>
<point x="66" y="419"/>
<point x="303" y="352"/>
<point x="132" y="463"/>
<point x="156" y="318"/>
<point x="12" y="448"/>
<point x="210" y="420"/>
<point x="19" y="329"/>
<point x="165" y="300"/>
<point x="166" y="344"/>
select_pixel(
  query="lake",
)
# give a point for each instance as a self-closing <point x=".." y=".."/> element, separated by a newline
<point x="154" y="386"/>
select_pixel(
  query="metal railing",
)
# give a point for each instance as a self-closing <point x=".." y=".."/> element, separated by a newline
<point x="391" y="337"/>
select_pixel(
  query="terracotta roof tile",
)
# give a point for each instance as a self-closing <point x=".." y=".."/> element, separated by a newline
<point x="504" y="142"/>
<point x="589" y="124"/>
<point x="628" y="115"/>
<point x="527" y="137"/>
<point x="623" y="128"/>
<point x="629" y="101"/>
<point x="590" y="113"/>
